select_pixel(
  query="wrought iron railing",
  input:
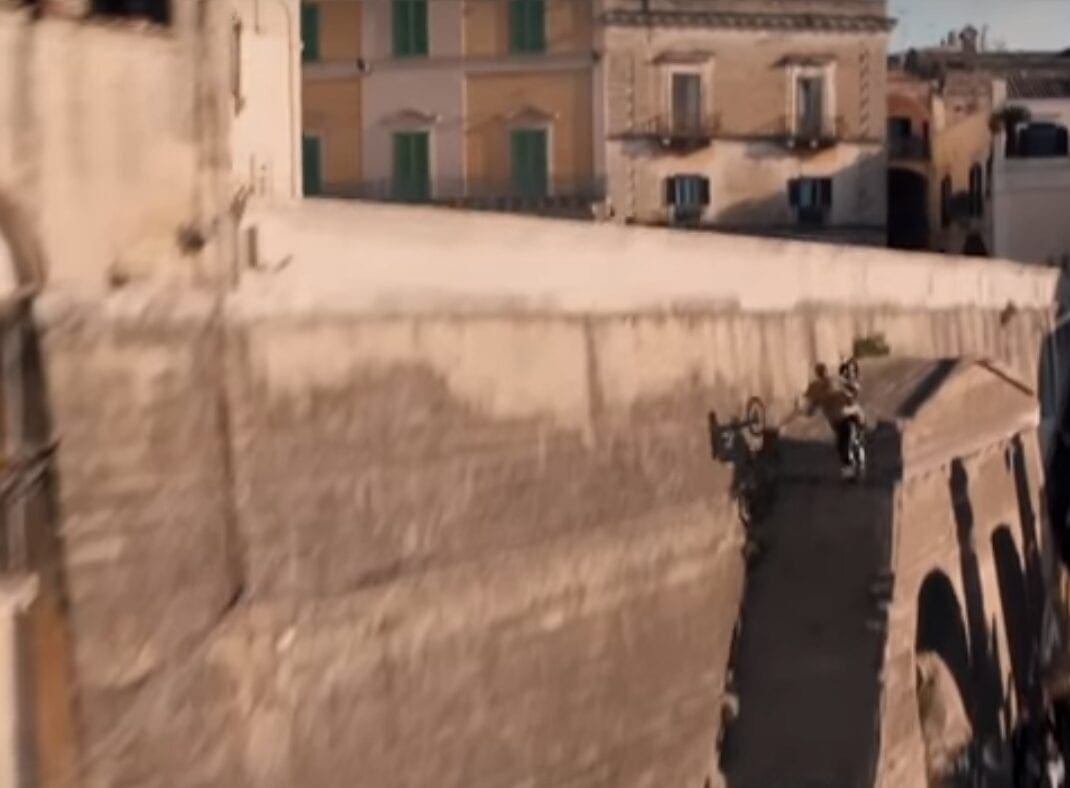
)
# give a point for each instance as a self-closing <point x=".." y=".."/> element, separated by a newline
<point x="555" y="195"/>
<point x="670" y="128"/>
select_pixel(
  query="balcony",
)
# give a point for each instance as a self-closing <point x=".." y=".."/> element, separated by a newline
<point x="670" y="133"/>
<point x="910" y="148"/>
<point x="814" y="133"/>
<point x="556" y="197"/>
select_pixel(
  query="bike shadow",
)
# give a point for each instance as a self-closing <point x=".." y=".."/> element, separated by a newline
<point x="753" y="456"/>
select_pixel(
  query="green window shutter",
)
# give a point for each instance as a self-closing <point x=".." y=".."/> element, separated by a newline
<point x="402" y="25"/>
<point x="310" y="32"/>
<point x="410" y="27"/>
<point x="539" y="163"/>
<point x="518" y="156"/>
<point x="421" y="170"/>
<point x="529" y="162"/>
<point x="527" y="25"/>
<point x="536" y="26"/>
<point x="311" y="165"/>
<point x="418" y="16"/>
<point x="516" y="25"/>
<point x="412" y="170"/>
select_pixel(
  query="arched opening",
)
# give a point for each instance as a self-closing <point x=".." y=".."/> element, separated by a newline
<point x="908" y="214"/>
<point x="941" y="628"/>
<point x="942" y="663"/>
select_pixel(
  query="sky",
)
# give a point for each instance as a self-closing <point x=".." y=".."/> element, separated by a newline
<point x="1019" y="24"/>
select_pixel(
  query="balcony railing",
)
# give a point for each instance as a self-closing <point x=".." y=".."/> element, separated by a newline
<point x="792" y="132"/>
<point x="815" y="133"/>
<point x="671" y="132"/>
<point x="912" y="148"/>
<point x="558" y="196"/>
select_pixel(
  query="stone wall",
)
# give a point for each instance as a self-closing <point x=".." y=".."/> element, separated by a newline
<point x="393" y="549"/>
<point x="985" y="539"/>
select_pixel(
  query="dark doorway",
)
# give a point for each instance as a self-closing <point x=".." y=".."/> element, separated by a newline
<point x="941" y="628"/>
<point x="908" y="209"/>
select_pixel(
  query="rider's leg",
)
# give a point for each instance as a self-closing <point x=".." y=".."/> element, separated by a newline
<point x="843" y="446"/>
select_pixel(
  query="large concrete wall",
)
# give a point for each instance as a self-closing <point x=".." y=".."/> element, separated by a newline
<point x="428" y="537"/>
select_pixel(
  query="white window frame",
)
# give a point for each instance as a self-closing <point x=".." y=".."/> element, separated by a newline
<point x="705" y="209"/>
<point x="704" y="71"/>
<point x="827" y="73"/>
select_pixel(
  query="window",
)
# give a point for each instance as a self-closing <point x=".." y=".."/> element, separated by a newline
<point x="811" y="198"/>
<point x="977" y="191"/>
<point x="310" y="32"/>
<point x="529" y="162"/>
<point x="157" y="10"/>
<point x="686" y="102"/>
<point x="412" y="172"/>
<point x="945" y="201"/>
<point x="410" y="28"/>
<point x="899" y="128"/>
<point x="810" y="107"/>
<point x="311" y="164"/>
<point x="688" y="196"/>
<point x="527" y="25"/>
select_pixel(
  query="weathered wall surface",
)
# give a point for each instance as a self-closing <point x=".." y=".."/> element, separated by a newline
<point x="985" y="542"/>
<point x="123" y="138"/>
<point x="386" y="550"/>
<point x="72" y="166"/>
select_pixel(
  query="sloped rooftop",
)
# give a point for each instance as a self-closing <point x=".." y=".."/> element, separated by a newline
<point x="922" y="412"/>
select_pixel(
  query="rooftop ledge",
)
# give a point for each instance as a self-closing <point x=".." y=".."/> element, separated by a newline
<point x="323" y="256"/>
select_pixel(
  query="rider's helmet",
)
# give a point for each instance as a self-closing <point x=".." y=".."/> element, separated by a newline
<point x="821" y="371"/>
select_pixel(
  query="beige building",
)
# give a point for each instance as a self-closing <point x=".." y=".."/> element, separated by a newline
<point x="489" y="102"/>
<point x="940" y="170"/>
<point x="758" y="116"/>
<point x="741" y="116"/>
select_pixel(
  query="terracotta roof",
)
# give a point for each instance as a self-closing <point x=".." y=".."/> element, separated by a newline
<point x="1029" y="87"/>
<point x="755" y="21"/>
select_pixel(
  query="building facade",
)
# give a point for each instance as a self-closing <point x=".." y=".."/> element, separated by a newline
<point x="977" y="147"/>
<point x="764" y="117"/>
<point x="757" y="116"/>
<point x="476" y="103"/>
<point x="1031" y="171"/>
<point x="939" y="156"/>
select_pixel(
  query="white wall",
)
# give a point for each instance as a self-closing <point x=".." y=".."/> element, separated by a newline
<point x="99" y="142"/>
<point x="1031" y="197"/>
<point x="1031" y="209"/>
<point x="266" y="131"/>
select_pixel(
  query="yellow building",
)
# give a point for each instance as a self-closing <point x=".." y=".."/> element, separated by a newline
<point x="477" y="102"/>
<point x="749" y="116"/>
